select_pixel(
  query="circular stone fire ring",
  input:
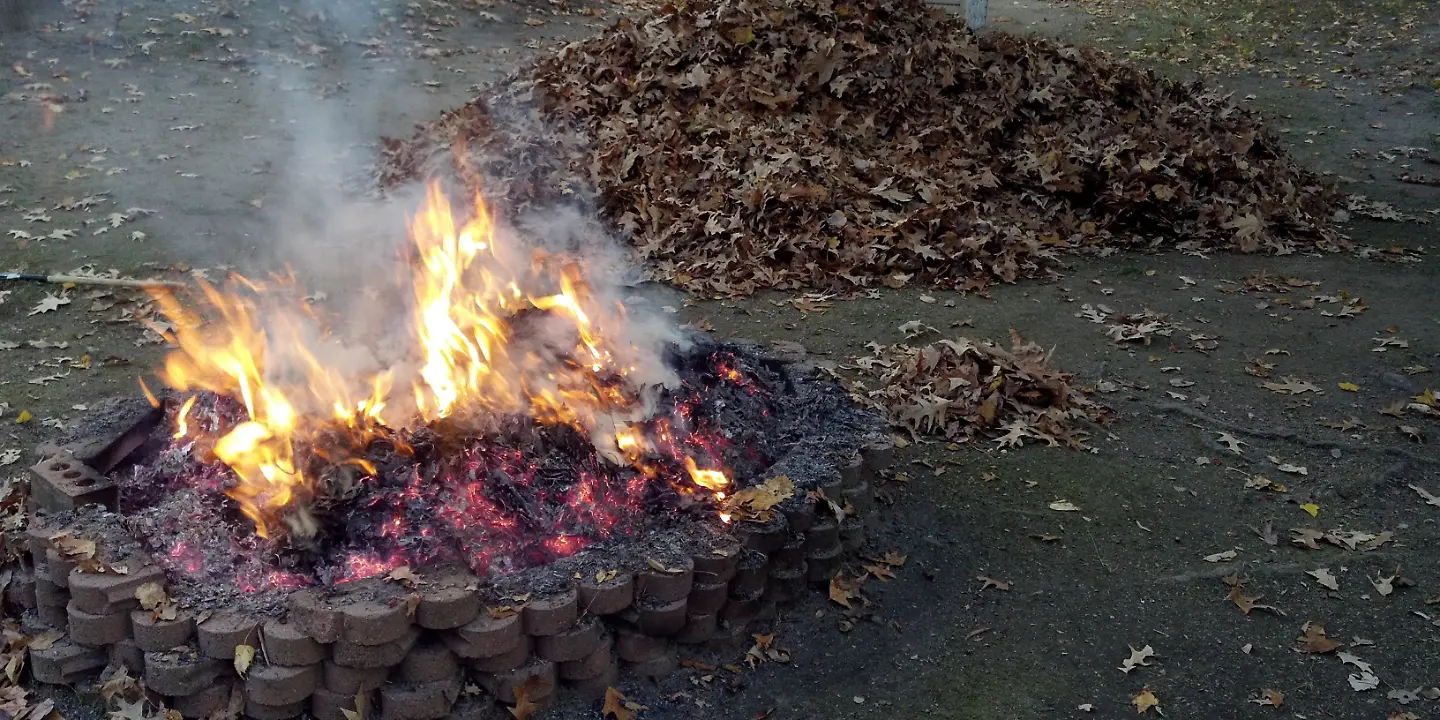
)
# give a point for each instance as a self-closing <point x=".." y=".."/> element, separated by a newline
<point x="410" y="633"/>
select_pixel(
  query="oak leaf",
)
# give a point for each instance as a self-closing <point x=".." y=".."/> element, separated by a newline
<point x="1313" y="640"/>
<point x="1324" y="577"/>
<point x="524" y="707"/>
<point x="1138" y="658"/>
<point x="615" y="706"/>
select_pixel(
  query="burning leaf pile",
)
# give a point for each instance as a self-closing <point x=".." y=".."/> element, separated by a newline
<point x="799" y="143"/>
<point x="959" y="389"/>
<point x="518" y="496"/>
<point x="516" y="413"/>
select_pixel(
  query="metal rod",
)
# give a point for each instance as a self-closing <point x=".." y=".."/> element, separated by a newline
<point x="92" y="280"/>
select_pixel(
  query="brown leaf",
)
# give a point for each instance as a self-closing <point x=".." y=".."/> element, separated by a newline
<point x="614" y="706"/>
<point x="524" y="707"/>
<point x="1271" y="698"/>
<point x="1313" y="640"/>
<point x="986" y="582"/>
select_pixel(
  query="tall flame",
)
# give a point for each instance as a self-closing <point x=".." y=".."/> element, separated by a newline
<point x="470" y="294"/>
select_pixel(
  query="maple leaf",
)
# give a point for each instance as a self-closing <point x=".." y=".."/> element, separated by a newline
<point x="151" y="595"/>
<point x="50" y="303"/>
<point x="1144" y="700"/>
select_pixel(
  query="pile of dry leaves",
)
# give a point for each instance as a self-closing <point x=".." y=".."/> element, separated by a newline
<point x="960" y="388"/>
<point x="806" y="143"/>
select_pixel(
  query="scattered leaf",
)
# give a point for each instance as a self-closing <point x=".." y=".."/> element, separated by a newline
<point x="1270" y="698"/>
<point x="1324" y="578"/>
<point x="244" y="656"/>
<point x="1138" y="658"/>
<point x="1144" y="700"/>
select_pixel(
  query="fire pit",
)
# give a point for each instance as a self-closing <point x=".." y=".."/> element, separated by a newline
<point x="560" y="491"/>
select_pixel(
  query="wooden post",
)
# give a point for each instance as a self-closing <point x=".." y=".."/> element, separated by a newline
<point x="975" y="14"/>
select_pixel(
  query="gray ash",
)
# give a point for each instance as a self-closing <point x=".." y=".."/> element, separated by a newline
<point x="524" y="500"/>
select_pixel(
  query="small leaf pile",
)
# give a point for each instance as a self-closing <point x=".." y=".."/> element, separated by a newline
<point x="960" y="388"/>
<point x="788" y="144"/>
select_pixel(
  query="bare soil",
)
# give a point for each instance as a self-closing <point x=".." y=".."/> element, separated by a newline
<point x="236" y="160"/>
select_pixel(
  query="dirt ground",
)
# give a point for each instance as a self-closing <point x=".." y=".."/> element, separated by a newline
<point x="225" y="134"/>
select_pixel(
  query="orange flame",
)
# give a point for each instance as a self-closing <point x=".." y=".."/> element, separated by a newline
<point x="470" y="292"/>
<point x="182" y="428"/>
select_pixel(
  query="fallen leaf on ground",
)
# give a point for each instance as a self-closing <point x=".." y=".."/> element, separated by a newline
<point x="615" y="706"/>
<point x="1386" y="585"/>
<point x="1364" y="681"/>
<point x="1351" y="659"/>
<point x="151" y="595"/>
<point x="1064" y="506"/>
<point x="524" y="707"/>
<point x="1144" y="700"/>
<point x="986" y="582"/>
<point x="1306" y="537"/>
<point x="1232" y="443"/>
<point x="1325" y="578"/>
<point x="1290" y="386"/>
<point x="1138" y="658"/>
<point x="1311" y="508"/>
<point x="1222" y="556"/>
<point x="50" y="303"/>
<point x="843" y="590"/>
<point x="1349" y="387"/>
<point x="1271" y="698"/>
<point x="1314" y="640"/>
<point x="1429" y="497"/>
<point x="1246" y="603"/>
